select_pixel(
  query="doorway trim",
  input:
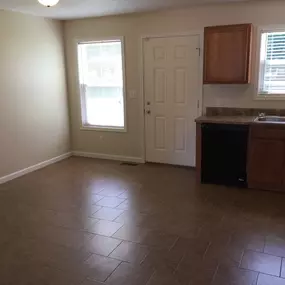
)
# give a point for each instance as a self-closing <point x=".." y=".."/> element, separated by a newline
<point x="199" y="33"/>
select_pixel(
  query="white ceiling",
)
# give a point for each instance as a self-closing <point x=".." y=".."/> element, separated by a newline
<point x="73" y="9"/>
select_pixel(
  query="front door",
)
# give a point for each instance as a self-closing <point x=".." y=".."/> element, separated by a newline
<point x="171" y="89"/>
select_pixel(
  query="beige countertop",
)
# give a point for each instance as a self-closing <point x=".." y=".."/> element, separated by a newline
<point x="240" y="120"/>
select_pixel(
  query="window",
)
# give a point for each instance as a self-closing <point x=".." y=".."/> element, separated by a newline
<point x="272" y="64"/>
<point x="101" y="76"/>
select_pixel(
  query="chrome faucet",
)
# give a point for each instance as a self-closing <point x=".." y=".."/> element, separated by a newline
<point x="261" y="115"/>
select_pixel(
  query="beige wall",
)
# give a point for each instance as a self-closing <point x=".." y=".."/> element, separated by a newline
<point x="166" y="22"/>
<point x="33" y="103"/>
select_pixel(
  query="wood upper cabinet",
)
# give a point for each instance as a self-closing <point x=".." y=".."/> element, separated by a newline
<point x="227" y="54"/>
<point x="266" y="158"/>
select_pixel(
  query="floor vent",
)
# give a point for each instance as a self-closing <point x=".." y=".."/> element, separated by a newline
<point x="129" y="163"/>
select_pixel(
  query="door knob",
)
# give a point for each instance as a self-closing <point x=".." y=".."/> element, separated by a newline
<point x="148" y="112"/>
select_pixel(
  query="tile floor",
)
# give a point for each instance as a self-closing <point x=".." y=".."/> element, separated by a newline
<point x="90" y="222"/>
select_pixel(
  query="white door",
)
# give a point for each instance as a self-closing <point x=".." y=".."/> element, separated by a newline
<point x="171" y="90"/>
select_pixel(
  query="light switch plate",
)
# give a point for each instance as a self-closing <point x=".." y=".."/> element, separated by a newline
<point x="132" y="94"/>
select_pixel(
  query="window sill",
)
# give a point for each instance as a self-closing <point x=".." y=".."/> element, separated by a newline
<point x="271" y="97"/>
<point x="103" y="129"/>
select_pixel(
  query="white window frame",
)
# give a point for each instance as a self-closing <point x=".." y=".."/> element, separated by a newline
<point x="262" y="96"/>
<point x="83" y="124"/>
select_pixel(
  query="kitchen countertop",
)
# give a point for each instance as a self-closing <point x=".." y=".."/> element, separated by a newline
<point x="239" y="120"/>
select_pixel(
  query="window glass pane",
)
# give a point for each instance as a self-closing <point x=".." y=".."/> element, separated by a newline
<point x="272" y="63"/>
<point x="105" y="106"/>
<point x="101" y="73"/>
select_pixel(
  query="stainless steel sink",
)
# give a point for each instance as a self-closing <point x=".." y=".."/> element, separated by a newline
<point x="271" y="119"/>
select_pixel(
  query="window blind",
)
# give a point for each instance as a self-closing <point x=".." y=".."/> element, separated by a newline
<point x="272" y="63"/>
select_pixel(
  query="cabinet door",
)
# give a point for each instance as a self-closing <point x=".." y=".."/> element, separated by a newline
<point x="265" y="164"/>
<point x="227" y="54"/>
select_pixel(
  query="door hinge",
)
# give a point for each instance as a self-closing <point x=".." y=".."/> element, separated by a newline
<point x="198" y="104"/>
<point x="199" y="49"/>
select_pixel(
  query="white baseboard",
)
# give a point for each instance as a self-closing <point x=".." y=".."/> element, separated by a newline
<point x="109" y="156"/>
<point x="33" y="168"/>
<point x="43" y="164"/>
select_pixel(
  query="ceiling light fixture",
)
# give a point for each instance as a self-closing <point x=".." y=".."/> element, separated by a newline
<point x="48" y="3"/>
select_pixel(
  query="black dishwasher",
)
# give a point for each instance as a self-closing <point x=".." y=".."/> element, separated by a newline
<point x="224" y="154"/>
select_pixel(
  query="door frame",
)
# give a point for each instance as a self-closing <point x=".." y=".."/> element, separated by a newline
<point x="199" y="33"/>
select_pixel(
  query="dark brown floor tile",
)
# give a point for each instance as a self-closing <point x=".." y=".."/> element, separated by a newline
<point x="109" y="214"/>
<point x="128" y="274"/>
<point x="248" y="240"/>
<point x="229" y="255"/>
<point x="185" y="229"/>
<point x="162" y="260"/>
<point x="156" y="222"/>
<point x="90" y="210"/>
<point x="261" y="262"/>
<point x="233" y="275"/>
<point x="96" y="186"/>
<point x="130" y="252"/>
<point x="64" y="237"/>
<point x="101" y="245"/>
<point x="264" y="279"/>
<point x="63" y="257"/>
<point x="32" y="274"/>
<point x="125" y="195"/>
<point x="199" y="277"/>
<point x="283" y="268"/>
<point x="98" y="268"/>
<point x="27" y="249"/>
<point x="193" y="245"/>
<point x="182" y="231"/>
<point x="125" y="205"/>
<point x="159" y="239"/>
<point x="57" y="277"/>
<point x="112" y="192"/>
<point x="194" y="269"/>
<point x="73" y="221"/>
<point x="275" y="246"/>
<point x="110" y="202"/>
<point x="90" y="282"/>
<point x="96" y="198"/>
<point x="163" y="279"/>
<point x="89" y="223"/>
<point x="67" y="220"/>
<point x="216" y="235"/>
<point x="131" y="233"/>
<point x="105" y="228"/>
<point x="131" y="218"/>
